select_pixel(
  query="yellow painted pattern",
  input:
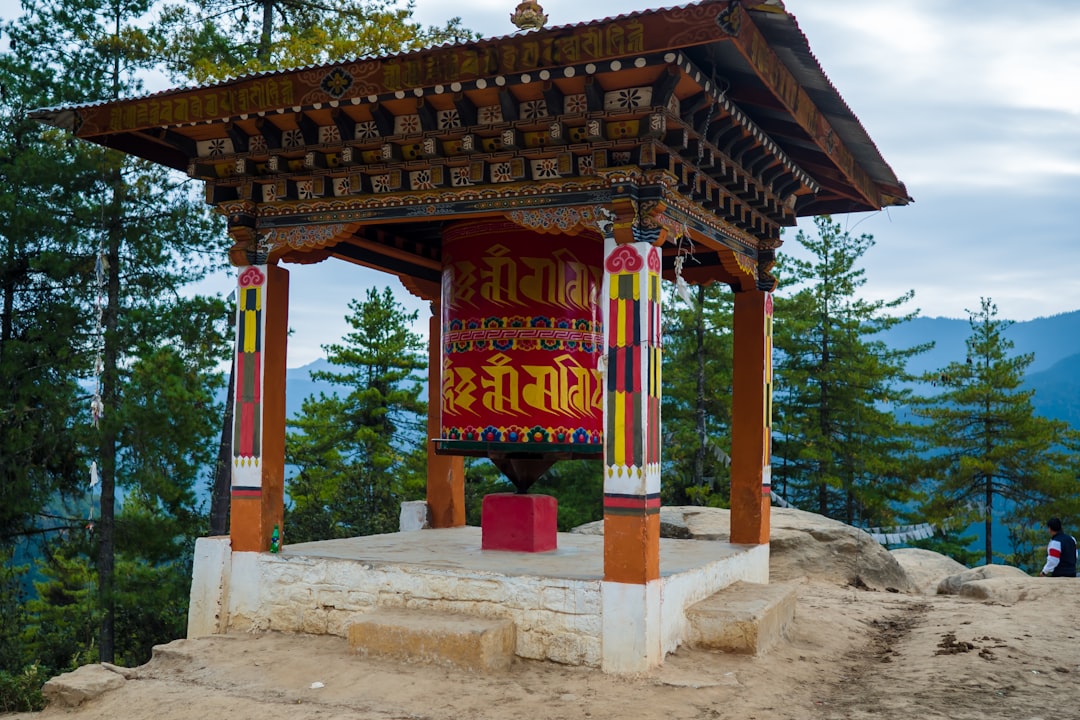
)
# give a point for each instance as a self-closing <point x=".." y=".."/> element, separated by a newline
<point x="251" y="304"/>
<point x="620" y="324"/>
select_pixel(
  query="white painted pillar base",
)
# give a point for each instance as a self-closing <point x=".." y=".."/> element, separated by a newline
<point x="631" y="631"/>
<point x="208" y="611"/>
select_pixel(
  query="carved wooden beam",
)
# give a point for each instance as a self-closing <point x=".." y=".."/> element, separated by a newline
<point x="594" y="94"/>
<point x="345" y="124"/>
<point x="554" y="98"/>
<point x="384" y="119"/>
<point x="466" y="109"/>
<point x="239" y="138"/>
<point x="270" y="132"/>
<point x="428" y="121"/>
<point x="308" y="128"/>
<point x="509" y="105"/>
<point x="665" y="85"/>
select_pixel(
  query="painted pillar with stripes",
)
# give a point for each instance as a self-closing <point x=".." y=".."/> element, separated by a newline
<point x="258" y="462"/>
<point x="631" y="589"/>
<point x="751" y="418"/>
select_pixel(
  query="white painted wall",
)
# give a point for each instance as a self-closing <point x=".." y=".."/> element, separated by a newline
<point x="208" y="612"/>
<point x="683" y="590"/>
<point x="575" y="622"/>
<point x="557" y="619"/>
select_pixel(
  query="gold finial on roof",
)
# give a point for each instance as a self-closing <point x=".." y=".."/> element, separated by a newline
<point x="528" y="15"/>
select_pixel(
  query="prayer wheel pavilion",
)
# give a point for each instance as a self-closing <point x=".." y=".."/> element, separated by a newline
<point x="536" y="189"/>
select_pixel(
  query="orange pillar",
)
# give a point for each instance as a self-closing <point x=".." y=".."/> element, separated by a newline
<point x="258" y="470"/>
<point x="751" y="406"/>
<point x="445" y="473"/>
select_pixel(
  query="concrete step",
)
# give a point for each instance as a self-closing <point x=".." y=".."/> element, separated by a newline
<point x="463" y="641"/>
<point x="742" y="618"/>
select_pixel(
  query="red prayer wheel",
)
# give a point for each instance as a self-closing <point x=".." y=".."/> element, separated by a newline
<point x="521" y="336"/>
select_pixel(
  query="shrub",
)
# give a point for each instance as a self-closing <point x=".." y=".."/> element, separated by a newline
<point x="21" y="692"/>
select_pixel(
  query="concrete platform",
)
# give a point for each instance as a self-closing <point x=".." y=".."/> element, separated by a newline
<point x="555" y="599"/>
<point x="742" y="618"/>
<point x="578" y="557"/>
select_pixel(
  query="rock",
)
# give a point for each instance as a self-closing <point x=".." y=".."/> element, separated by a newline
<point x="926" y="568"/>
<point x="1010" y="589"/>
<point x="802" y="544"/>
<point x="84" y="683"/>
<point x="952" y="584"/>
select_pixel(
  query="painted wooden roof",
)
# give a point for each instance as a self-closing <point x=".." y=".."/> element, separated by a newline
<point x="711" y="120"/>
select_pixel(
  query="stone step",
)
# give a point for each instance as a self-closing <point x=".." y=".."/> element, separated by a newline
<point x="463" y="641"/>
<point x="742" y="618"/>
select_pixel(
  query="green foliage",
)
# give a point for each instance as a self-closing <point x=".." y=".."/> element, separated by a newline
<point x="12" y="617"/>
<point x="150" y="597"/>
<point x="70" y="209"/>
<point x="42" y="281"/>
<point x="481" y="478"/>
<point x="151" y="603"/>
<point x="578" y="485"/>
<point x="361" y="454"/>
<point x="840" y="447"/>
<point x="216" y="39"/>
<point x="62" y="625"/>
<point x="697" y="397"/>
<point x="983" y="439"/>
<point x="21" y="691"/>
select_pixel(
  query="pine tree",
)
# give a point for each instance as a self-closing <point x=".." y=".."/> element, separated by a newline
<point x="697" y="396"/>
<point x="984" y="440"/>
<point x="42" y="281"/>
<point x="142" y="231"/>
<point x="361" y="453"/>
<point x="12" y="620"/>
<point x="839" y="446"/>
<point x="216" y="39"/>
<point x="64" y="616"/>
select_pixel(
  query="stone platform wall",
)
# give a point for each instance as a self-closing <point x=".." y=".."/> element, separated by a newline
<point x="556" y="619"/>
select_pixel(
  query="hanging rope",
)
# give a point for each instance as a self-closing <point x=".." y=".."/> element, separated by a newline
<point x="685" y="249"/>
<point x="97" y="406"/>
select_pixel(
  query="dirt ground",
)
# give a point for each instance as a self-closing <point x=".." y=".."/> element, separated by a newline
<point x="850" y="654"/>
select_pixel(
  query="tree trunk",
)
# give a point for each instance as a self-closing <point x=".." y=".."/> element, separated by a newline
<point x="219" y="500"/>
<point x="110" y="397"/>
<point x="265" y="37"/>
<point x="110" y="394"/>
<point x="989" y="519"/>
<point x="7" y="315"/>
<point x="824" y="426"/>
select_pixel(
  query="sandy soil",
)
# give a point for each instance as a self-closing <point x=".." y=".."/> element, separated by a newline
<point x="850" y="654"/>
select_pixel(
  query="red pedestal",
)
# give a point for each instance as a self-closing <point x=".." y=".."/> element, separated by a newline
<point x="523" y="523"/>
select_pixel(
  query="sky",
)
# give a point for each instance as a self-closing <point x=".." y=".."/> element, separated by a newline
<point x="975" y="104"/>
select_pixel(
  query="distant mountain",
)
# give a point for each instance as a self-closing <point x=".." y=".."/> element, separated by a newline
<point x="299" y="386"/>
<point x="1057" y="390"/>
<point x="1054" y="341"/>
<point x="1050" y="338"/>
